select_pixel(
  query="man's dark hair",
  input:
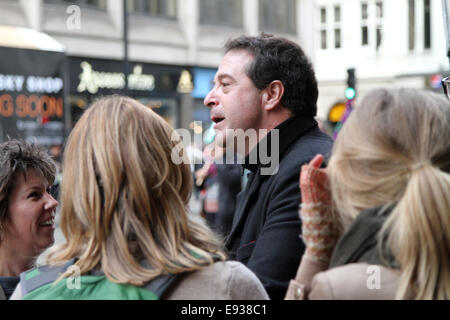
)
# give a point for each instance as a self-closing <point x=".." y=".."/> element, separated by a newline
<point x="277" y="58"/>
<point x="18" y="156"/>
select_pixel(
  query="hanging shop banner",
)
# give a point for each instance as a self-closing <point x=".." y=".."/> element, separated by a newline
<point x="103" y="77"/>
<point x="31" y="95"/>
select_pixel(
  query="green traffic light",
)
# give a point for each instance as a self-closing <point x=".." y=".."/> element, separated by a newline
<point x="350" y="93"/>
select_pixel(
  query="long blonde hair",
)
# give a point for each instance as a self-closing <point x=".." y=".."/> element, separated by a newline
<point x="124" y="200"/>
<point x="395" y="150"/>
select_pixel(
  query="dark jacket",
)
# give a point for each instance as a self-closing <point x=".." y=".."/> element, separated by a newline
<point x="229" y="181"/>
<point x="360" y="242"/>
<point x="266" y="225"/>
<point x="7" y="286"/>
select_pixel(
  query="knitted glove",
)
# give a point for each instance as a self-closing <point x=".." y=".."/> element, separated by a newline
<point x="320" y="230"/>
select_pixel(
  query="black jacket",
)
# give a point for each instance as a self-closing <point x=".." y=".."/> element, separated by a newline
<point x="360" y="242"/>
<point x="229" y="181"/>
<point x="266" y="224"/>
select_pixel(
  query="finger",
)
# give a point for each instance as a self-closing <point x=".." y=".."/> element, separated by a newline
<point x="316" y="162"/>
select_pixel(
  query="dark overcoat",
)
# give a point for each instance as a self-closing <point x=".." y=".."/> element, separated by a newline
<point x="265" y="235"/>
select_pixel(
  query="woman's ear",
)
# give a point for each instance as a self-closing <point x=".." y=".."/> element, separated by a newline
<point x="272" y="95"/>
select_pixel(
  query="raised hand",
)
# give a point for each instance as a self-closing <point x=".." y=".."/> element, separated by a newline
<point x="320" y="230"/>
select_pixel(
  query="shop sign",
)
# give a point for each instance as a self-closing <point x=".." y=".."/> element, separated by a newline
<point x="99" y="76"/>
<point x="91" y="80"/>
<point x="31" y="95"/>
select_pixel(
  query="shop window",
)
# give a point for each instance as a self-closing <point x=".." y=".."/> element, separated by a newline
<point x="160" y="8"/>
<point x="278" y="16"/>
<point x="219" y="12"/>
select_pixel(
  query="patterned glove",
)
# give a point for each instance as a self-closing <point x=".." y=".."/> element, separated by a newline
<point x="320" y="230"/>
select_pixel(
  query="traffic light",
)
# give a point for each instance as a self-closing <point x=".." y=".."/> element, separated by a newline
<point x="350" y="92"/>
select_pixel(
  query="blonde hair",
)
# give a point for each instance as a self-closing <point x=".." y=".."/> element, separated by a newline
<point x="124" y="200"/>
<point x="394" y="150"/>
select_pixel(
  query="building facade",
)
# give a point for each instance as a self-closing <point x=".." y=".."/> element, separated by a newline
<point x="396" y="43"/>
<point x="180" y="44"/>
<point x="181" y="39"/>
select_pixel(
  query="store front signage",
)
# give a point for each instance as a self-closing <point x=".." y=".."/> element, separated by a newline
<point x="32" y="106"/>
<point x="91" y="80"/>
<point x="16" y="83"/>
<point x="31" y="96"/>
<point x="101" y="76"/>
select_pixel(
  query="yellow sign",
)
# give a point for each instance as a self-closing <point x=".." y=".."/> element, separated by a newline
<point x="185" y="84"/>
<point x="336" y="112"/>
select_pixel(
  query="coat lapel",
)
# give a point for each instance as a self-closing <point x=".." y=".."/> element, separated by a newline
<point x="242" y="211"/>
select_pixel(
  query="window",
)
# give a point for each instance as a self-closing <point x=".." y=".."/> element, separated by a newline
<point x="364" y="11"/>
<point x="221" y="12"/>
<point x="427" y="24"/>
<point x="364" y="35"/>
<point x="379" y="6"/>
<point x="372" y="15"/>
<point x="411" y="23"/>
<point x="337" y="14"/>
<point x="278" y="16"/>
<point x="99" y="4"/>
<point x="379" y="23"/>
<point x="323" y="27"/>
<point x="364" y="26"/>
<point x="161" y="8"/>
<point x="337" y="27"/>
<point x="415" y="24"/>
<point x="323" y="15"/>
<point x="330" y="26"/>
<point x="337" y="38"/>
<point x="323" y="39"/>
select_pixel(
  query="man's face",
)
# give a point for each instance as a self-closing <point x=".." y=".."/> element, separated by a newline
<point x="235" y="102"/>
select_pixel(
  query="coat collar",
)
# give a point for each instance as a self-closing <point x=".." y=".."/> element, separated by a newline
<point x="288" y="132"/>
<point x="359" y="243"/>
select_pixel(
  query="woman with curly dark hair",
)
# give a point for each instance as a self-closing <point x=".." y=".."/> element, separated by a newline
<point x="27" y="210"/>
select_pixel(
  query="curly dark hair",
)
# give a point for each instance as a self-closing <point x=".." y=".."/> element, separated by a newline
<point x="19" y="156"/>
<point x="277" y="58"/>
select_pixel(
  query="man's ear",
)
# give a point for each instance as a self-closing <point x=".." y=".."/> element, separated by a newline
<point x="272" y="95"/>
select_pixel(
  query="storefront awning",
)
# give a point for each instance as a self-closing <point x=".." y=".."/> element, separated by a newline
<point x="25" y="38"/>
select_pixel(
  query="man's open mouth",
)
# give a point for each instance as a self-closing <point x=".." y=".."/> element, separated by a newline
<point x="217" y="119"/>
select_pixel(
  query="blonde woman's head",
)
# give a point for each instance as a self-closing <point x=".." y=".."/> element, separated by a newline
<point x="124" y="199"/>
<point x="388" y="134"/>
<point x="395" y="150"/>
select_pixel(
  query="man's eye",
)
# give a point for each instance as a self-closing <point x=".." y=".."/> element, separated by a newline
<point x="225" y="84"/>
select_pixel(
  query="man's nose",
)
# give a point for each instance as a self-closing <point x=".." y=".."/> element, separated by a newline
<point x="210" y="99"/>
